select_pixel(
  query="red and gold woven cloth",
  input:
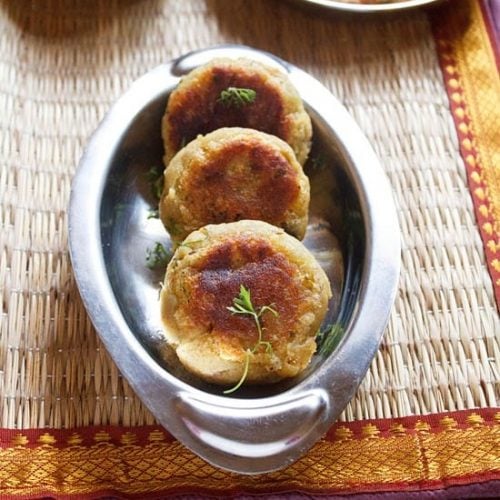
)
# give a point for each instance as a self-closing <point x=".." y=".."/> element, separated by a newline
<point x="441" y="455"/>
<point x="468" y="51"/>
<point x="413" y="454"/>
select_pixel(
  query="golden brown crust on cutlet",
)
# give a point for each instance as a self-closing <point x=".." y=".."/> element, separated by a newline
<point x="204" y="277"/>
<point x="233" y="174"/>
<point x="195" y="107"/>
<point x="253" y="263"/>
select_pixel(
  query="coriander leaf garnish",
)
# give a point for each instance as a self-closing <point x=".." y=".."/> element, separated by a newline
<point x="328" y="338"/>
<point x="157" y="256"/>
<point x="236" y="96"/>
<point x="318" y="162"/>
<point x="242" y="304"/>
<point x="153" y="213"/>
<point x="153" y="173"/>
<point x="248" y="354"/>
<point x="155" y="179"/>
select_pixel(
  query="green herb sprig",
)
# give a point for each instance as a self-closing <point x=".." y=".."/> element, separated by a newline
<point x="242" y="304"/>
<point x="157" y="256"/>
<point x="237" y="97"/>
<point x="329" y="338"/>
<point x="318" y="162"/>
<point x="155" y="178"/>
<point x="153" y="213"/>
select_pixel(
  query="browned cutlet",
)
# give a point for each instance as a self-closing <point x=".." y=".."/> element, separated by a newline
<point x="233" y="174"/>
<point x="195" y="106"/>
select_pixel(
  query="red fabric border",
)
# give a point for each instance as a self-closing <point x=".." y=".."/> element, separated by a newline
<point x="386" y="427"/>
<point x="444" y="35"/>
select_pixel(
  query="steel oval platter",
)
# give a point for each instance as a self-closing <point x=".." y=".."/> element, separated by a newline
<point x="258" y="429"/>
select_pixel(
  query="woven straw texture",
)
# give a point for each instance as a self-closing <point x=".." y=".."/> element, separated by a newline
<point x="63" y="62"/>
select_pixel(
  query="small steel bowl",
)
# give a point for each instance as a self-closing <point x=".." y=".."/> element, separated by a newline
<point x="257" y="429"/>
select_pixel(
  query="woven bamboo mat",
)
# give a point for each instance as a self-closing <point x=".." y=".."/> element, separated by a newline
<point x="62" y="63"/>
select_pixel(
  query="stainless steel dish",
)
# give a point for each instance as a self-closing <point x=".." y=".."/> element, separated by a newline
<point x="338" y="5"/>
<point x="258" y="429"/>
